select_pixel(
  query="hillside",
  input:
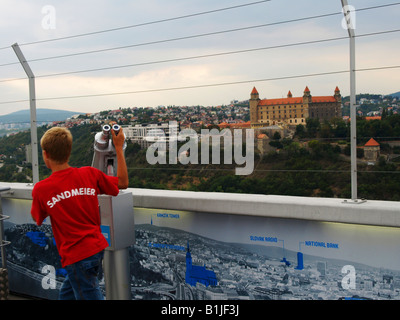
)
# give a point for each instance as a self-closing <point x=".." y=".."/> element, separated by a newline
<point x="395" y="95"/>
<point x="315" y="163"/>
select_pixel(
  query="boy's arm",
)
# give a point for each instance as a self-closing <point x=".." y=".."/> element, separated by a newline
<point x="37" y="214"/>
<point x="122" y="170"/>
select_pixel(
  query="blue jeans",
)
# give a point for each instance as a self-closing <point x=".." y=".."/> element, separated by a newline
<point x="81" y="282"/>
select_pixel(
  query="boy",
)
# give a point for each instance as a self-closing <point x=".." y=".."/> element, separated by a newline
<point x="69" y="198"/>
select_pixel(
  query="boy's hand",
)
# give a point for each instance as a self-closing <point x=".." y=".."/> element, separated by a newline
<point x="122" y="170"/>
<point x="118" y="140"/>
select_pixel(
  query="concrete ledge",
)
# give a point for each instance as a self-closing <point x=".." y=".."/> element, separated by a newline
<point x="382" y="213"/>
<point x="371" y="212"/>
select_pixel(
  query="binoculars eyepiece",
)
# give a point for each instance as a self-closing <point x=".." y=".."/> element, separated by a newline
<point x="106" y="129"/>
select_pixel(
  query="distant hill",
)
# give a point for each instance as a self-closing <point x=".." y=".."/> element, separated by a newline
<point x="42" y="115"/>
<point x="396" y="94"/>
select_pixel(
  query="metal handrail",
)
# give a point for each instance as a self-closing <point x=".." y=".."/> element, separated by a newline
<point x="5" y="243"/>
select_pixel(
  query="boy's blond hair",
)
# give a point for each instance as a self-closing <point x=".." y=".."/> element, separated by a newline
<point x="57" y="142"/>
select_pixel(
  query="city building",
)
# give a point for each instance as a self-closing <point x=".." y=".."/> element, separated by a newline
<point x="293" y="110"/>
<point x="147" y="134"/>
<point x="372" y="150"/>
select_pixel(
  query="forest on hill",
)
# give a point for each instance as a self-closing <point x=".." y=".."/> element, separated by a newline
<point x="314" y="163"/>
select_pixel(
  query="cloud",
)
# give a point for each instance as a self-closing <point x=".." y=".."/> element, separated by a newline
<point x="111" y="88"/>
<point x="22" y="23"/>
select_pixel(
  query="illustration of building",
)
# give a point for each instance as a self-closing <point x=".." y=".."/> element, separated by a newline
<point x="300" y="265"/>
<point x="198" y="274"/>
<point x="293" y="110"/>
<point x="321" y="268"/>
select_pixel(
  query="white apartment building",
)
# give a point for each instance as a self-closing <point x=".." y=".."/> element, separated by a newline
<point x="147" y="134"/>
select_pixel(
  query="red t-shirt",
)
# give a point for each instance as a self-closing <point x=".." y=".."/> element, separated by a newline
<point x="69" y="198"/>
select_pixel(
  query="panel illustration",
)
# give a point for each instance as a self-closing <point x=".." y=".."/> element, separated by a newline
<point x="182" y="255"/>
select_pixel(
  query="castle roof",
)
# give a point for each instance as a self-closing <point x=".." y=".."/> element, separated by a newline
<point x="270" y="102"/>
<point x="295" y="100"/>
<point x="323" y="99"/>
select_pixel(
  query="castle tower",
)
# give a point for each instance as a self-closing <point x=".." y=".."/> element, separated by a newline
<point x="253" y="104"/>
<point x="188" y="258"/>
<point x="337" y="95"/>
<point x="306" y="96"/>
<point x="289" y="95"/>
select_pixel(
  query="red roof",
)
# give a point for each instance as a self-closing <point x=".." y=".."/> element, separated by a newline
<point x="295" y="100"/>
<point x="240" y="125"/>
<point x="235" y="125"/>
<point x="373" y="118"/>
<point x="270" y="102"/>
<point x="372" y="143"/>
<point x="323" y="99"/>
<point x="254" y="91"/>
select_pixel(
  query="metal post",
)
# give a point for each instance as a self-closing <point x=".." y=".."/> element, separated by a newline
<point x="32" y="101"/>
<point x="116" y="274"/>
<point x="353" y="106"/>
<point x="353" y="117"/>
<point x="118" y="227"/>
<point x="117" y="222"/>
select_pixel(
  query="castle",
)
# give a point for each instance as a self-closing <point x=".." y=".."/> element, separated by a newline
<point x="293" y="110"/>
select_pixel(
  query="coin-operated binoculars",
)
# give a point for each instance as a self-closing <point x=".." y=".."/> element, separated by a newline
<point x="105" y="158"/>
<point x="117" y="222"/>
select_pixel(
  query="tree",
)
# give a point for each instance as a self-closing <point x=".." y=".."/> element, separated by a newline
<point x="300" y="131"/>
<point x="384" y="113"/>
<point x="276" y="136"/>
<point x="340" y="129"/>
<point x="313" y="126"/>
<point x="326" y="130"/>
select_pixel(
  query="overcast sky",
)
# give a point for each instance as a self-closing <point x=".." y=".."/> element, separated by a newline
<point x="281" y="62"/>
